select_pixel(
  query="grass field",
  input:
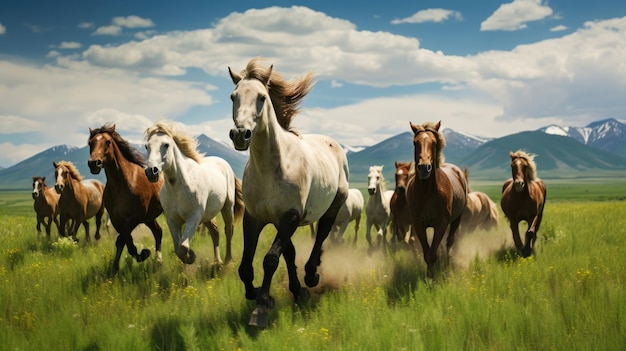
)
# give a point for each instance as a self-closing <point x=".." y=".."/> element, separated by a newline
<point x="57" y="295"/>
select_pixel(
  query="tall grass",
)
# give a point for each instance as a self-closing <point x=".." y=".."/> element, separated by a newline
<point x="571" y="295"/>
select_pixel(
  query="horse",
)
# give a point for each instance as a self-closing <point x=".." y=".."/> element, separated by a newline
<point x="351" y="210"/>
<point x="130" y="199"/>
<point x="290" y="179"/>
<point x="377" y="209"/>
<point x="46" y="205"/>
<point x="480" y="211"/>
<point x="523" y="199"/>
<point x="79" y="199"/>
<point x="195" y="190"/>
<point x="437" y="194"/>
<point x="401" y="223"/>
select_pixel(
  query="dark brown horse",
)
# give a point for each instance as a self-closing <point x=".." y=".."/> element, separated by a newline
<point x="130" y="199"/>
<point x="46" y="204"/>
<point x="401" y="222"/>
<point x="523" y="198"/>
<point x="437" y="194"/>
<point x="80" y="200"/>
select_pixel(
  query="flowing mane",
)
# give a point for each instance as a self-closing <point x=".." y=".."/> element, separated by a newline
<point x="285" y="95"/>
<point x="530" y="159"/>
<point x="129" y="152"/>
<point x="186" y="144"/>
<point x="71" y="169"/>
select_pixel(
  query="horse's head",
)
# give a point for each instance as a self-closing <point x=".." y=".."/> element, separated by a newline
<point x="99" y="148"/>
<point x="38" y="186"/>
<point x="374" y="179"/>
<point x="60" y="177"/>
<point x="522" y="169"/>
<point x="403" y="169"/>
<point x="159" y="148"/>
<point x="249" y="98"/>
<point x="428" y="144"/>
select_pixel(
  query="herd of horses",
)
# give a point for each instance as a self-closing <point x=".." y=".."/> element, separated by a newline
<point x="290" y="180"/>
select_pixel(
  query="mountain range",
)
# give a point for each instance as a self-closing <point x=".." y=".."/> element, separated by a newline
<point x="597" y="150"/>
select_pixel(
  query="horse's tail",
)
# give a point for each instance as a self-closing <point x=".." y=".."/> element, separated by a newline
<point x="239" y="206"/>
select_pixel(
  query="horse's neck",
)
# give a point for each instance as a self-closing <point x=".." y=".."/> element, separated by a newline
<point x="267" y="148"/>
<point x="177" y="169"/>
<point x="117" y="170"/>
<point x="379" y="195"/>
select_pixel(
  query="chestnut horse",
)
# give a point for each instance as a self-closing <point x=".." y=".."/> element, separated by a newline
<point x="46" y="204"/>
<point x="290" y="179"/>
<point x="79" y="201"/>
<point x="437" y="194"/>
<point x="400" y="214"/>
<point x="523" y="198"/>
<point x="130" y="199"/>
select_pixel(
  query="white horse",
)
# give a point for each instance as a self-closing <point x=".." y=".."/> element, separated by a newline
<point x="351" y="210"/>
<point x="377" y="209"/>
<point x="290" y="179"/>
<point x="195" y="189"/>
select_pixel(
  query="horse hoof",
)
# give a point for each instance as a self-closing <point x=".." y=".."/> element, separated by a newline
<point x="186" y="255"/>
<point x="303" y="296"/>
<point x="259" y="317"/>
<point x="312" y="280"/>
<point x="145" y="253"/>
<point x="97" y="236"/>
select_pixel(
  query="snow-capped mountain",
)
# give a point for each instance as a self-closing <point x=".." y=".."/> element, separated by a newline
<point x="607" y="135"/>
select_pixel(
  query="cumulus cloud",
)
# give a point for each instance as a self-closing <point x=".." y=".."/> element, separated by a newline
<point x="16" y="124"/>
<point x="108" y="30"/>
<point x="514" y="15"/>
<point x="430" y="15"/>
<point x="132" y="22"/>
<point x="85" y="25"/>
<point x="3" y="29"/>
<point x="558" y="28"/>
<point x="69" y="45"/>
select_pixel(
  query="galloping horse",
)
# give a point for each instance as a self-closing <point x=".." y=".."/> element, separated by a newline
<point x="437" y="194"/>
<point x="523" y="198"/>
<point x="377" y="209"/>
<point x="129" y="197"/>
<point x="400" y="214"/>
<point x="480" y="211"/>
<point x="290" y="179"/>
<point x="195" y="189"/>
<point x="80" y="199"/>
<point x="46" y="204"/>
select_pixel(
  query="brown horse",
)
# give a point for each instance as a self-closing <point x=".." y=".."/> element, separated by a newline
<point x="480" y="211"/>
<point x="523" y="198"/>
<point x="129" y="197"/>
<point x="80" y="199"/>
<point x="401" y="223"/>
<point x="437" y="194"/>
<point x="46" y="204"/>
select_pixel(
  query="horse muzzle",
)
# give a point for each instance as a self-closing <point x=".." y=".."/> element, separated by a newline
<point x="153" y="173"/>
<point x="58" y="188"/>
<point x="423" y="170"/>
<point x="371" y="191"/>
<point x="518" y="185"/>
<point x="95" y="166"/>
<point x="35" y="195"/>
<point x="241" y="138"/>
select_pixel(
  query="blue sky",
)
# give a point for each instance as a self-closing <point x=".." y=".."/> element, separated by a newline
<point x="487" y="68"/>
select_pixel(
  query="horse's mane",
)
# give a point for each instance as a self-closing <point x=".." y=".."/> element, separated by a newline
<point x="71" y="169"/>
<point x="530" y="159"/>
<point x="187" y="144"/>
<point x="379" y="170"/>
<point x="129" y="152"/>
<point x="286" y="95"/>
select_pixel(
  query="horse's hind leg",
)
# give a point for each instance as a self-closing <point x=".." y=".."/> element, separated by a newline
<point x="229" y="228"/>
<point x="215" y="237"/>
<point x="99" y="222"/>
<point x="300" y="294"/>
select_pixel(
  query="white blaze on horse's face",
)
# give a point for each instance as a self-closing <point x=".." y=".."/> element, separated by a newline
<point x="249" y="98"/>
<point x="423" y="157"/>
<point x="59" y="176"/>
<point x="158" y="147"/>
<point x="518" y="168"/>
<point x="36" y="188"/>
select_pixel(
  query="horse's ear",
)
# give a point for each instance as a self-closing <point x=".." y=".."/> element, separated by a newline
<point x="414" y="127"/>
<point x="236" y="77"/>
<point x="54" y="164"/>
<point x="43" y="179"/>
<point x="437" y="126"/>
<point x="90" y="131"/>
<point x="511" y="155"/>
<point x="269" y="75"/>
<point x="396" y="164"/>
<point x="113" y="128"/>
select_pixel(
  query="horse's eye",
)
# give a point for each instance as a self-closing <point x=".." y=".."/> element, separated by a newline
<point x="262" y="98"/>
<point x="146" y="147"/>
<point x="166" y="146"/>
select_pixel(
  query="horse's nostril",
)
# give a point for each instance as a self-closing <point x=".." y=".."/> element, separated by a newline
<point x="248" y="134"/>
<point x="232" y="134"/>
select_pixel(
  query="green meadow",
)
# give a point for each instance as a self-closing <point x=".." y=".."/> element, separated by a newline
<point x="57" y="295"/>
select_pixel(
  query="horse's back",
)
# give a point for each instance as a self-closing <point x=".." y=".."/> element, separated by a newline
<point x="458" y="187"/>
<point x="95" y="189"/>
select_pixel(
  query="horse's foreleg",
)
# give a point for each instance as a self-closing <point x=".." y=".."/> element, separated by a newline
<point x="62" y="223"/>
<point x="99" y="222"/>
<point x="119" y="246"/>
<point x="531" y="236"/>
<point x="251" y="230"/>
<point x="184" y="251"/>
<point x="157" y="232"/>
<point x="357" y="222"/>
<point x="454" y="225"/>
<point x="368" y="228"/>
<point x="300" y="294"/>
<point x="431" y="258"/>
<point x="516" y="237"/>
<point x="48" y="225"/>
<point x="86" y="226"/>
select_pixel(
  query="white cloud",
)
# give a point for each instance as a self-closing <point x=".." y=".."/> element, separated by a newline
<point x="53" y="54"/>
<point x="85" y="25"/>
<point x="12" y="153"/>
<point x="108" y="30"/>
<point x="514" y="15"/>
<point x="132" y="22"/>
<point x="559" y="28"/>
<point x="16" y="124"/>
<point x="430" y="15"/>
<point x="69" y="45"/>
<point x="3" y="29"/>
